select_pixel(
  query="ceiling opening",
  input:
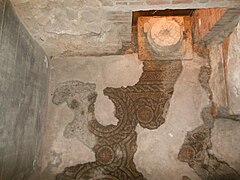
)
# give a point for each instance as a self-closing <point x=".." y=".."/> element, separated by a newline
<point x="168" y="12"/>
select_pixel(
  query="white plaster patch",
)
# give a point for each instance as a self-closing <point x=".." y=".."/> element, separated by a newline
<point x="170" y="134"/>
<point x="46" y="62"/>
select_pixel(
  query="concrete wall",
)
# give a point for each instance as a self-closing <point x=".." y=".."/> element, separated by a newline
<point x="23" y="95"/>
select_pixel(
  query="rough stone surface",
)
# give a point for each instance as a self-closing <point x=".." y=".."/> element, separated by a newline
<point x="96" y="27"/>
<point x="224" y="81"/>
<point x="217" y="81"/>
<point x="71" y="28"/>
<point x="233" y="72"/>
<point x="23" y="90"/>
<point x="226" y="138"/>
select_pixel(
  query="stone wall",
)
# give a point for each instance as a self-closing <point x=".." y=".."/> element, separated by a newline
<point x="96" y="27"/>
<point x="232" y="64"/>
<point x="23" y="95"/>
<point x="225" y="76"/>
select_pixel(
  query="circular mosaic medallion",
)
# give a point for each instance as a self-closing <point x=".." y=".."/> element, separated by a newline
<point x="105" y="155"/>
<point x="145" y="114"/>
<point x="186" y="153"/>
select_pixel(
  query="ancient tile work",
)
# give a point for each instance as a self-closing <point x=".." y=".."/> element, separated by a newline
<point x="195" y="151"/>
<point x="146" y="103"/>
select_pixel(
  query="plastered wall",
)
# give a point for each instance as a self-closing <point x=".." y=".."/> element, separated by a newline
<point x="23" y="96"/>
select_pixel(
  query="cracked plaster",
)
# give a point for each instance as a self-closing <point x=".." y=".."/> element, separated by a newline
<point x="73" y="27"/>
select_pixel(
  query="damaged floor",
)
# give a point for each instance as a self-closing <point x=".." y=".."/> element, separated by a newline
<point x="150" y="121"/>
<point x="145" y="103"/>
<point x="116" y="117"/>
<point x="92" y="143"/>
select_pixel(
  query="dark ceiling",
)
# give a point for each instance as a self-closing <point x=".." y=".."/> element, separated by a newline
<point x="178" y="12"/>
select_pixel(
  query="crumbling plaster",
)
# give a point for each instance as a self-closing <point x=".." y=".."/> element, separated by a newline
<point x="92" y="27"/>
<point x="225" y="134"/>
<point x="225" y="76"/>
<point x="73" y="27"/>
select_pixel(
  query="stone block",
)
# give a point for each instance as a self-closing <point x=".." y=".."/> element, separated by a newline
<point x="225" y="142"/>
<point x="233" y="72"/>
<point x="217" y="81"/>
